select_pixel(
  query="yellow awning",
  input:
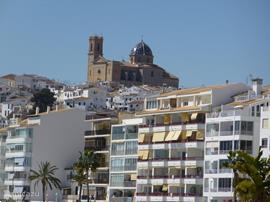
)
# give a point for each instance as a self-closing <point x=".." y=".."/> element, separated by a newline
<point x="145" y="154"/>
<point x="140" y="154"/>
<point x="189" y="133"/>
<point x="169" y="136"/>
<point x="141" y="137"/>
<point x="158" y="137"/>
<point x="133" y="177"/>
<point x="184" y="135"/>
<point x="167" y="119"/>
<point x="165" y="187"/>
<point x="184" y="117"/>
<point x="199" y="135"/>
<point x="194" y="116"/>
<point x="176" y="135"/>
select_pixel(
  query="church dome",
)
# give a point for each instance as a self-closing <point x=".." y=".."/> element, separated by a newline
<point x="141" y="49"/>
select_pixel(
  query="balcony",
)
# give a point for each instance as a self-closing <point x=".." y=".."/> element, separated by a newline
<point x="170" y="194"/>
<point x="171" y="177"/>
<point x="173" y="159"/>
<point x="190" y="140"/>
<point x="171" y="124"/>
<point x="123" y="199"/>
<point x="97" y="132"/>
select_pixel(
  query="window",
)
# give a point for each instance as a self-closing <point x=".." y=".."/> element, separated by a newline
<point x="117" y="164"/>
<point x="118" y="133"/>
<point x="225" y="146"/>
<point x="246" y="145"/>
<point x="224" y="184"/>
<point x="130" y="164"/>
<point x="117" y="149"/>
<point x="206" y="99"/>
<point x="265" y="123"/>
<point x="117" y="180"/>
<point x="258" y="111"/>
<point x="253" y="111"/>
<point x="99" y="71"/>
<point x="264" y="142"/>
<point x="212" y="129"/>
<point x="152" y="73"/>
<point x="131" y="147"/>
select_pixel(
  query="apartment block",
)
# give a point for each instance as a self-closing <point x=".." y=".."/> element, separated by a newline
<point x="54" y="136"/>
<point x="171" y="142"/>
<point x="98" y="139"/>
<point x="265" y="130"/>
<point x="123" y="161"/>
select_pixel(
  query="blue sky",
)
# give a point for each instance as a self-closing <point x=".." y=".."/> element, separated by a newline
<point x="202" y="42"/>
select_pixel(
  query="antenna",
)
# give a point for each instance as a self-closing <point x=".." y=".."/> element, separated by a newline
<point x="141" y="37"/>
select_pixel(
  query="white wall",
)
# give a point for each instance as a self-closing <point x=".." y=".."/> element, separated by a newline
<point x="59" y="139"/>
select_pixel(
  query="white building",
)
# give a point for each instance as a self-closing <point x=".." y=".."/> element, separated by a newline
<point x="14" y="106"/>
<point x="265" y="130"/>
<point x="130" y="99"/>
<point x="55" y="136"/>
<point x="171" y="142"/>
<point x="123" y="160"/>
<point x="98" y="139"/>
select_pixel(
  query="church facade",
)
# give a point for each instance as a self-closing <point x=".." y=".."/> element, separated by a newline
<point x="139" y="70"/>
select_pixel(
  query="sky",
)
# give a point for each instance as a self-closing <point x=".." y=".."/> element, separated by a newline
<point x="202" y="42"/>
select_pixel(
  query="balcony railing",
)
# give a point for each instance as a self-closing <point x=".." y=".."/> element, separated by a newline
<point x="97" y="148"/>
<point x="171" y="124"/>
<point x="171" y="177"/>
<point x="170" y="194"/>
<point x="176" y="141"/>
<point x="97" y="132"/>
<point x="173" y="159"/>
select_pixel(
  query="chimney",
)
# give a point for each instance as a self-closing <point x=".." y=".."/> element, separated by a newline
<point x="37" y="110"/>
<point x="257" y="86"/>
<point x="48" y="109"/>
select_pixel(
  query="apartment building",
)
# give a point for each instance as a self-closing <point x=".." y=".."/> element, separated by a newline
<point x="3" y="137"/>
<point x="171" y="142"/>
<point x="123" y="160"/>
<point x="265" y="131"/>
<point x="98" y="139"/>
<point x="236" y="126"/>
<point x="54" y="136"/>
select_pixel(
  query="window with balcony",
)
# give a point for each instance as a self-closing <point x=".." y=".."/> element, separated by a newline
<point x="246" y="128"/>
<point x="211" y="166"/>
<point x="211" y="148"/>
<point x="225" y="147"/>
<point x="206" y="99"/>
<point x="24" y="132"/>
<point x="246" y="145"/>
<point x="212" y="129"/>
<point x="117" y="164"/>
<point x="117" y="180"/>
<point x="161" y="154"/>
<point x="131" y="147"/>
<point x="132" y="132"/>
<point x="118" y="149"/>
<point x="130" y="164"/>
<point x="151" y="104"/>
<point x="224" y="184"/>
<point x="264" y="143"/>
<point x="222" y="167"/>
<point x="226" y="128"/>
<point x="118" y="133"/>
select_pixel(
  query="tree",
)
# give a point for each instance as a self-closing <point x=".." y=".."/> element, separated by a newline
<point x="43" y="99"/>
<point x="252" y="182"/>
<point x="46" y="176"/>
<point x="79" y="176"/>
<point x="89" y="161"/>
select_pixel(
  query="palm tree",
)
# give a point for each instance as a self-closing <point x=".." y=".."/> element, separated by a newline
<point x="89" y="161"/>
<point x="253" y="173"/>
<point x="231" y="163"/>
<point x="46" y="176"/>
<point x="79" y="176"/>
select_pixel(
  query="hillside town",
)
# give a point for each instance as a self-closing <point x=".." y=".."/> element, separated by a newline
<point x="153" y="140"/>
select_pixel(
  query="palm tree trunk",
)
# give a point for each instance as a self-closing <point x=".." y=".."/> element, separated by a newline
<point x="43" y="193"/>
<point x="234" y="185"/>
<point x="87" y="185"/>
<point x="80" y="193"/>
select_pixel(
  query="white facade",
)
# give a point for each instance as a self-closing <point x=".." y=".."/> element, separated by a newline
<point x="123" y="160"/>
<point x="13" y="106"/>
<point x="171" y="142"/>
<point x="57" y="137"/>
<point x="265" y="131"/>
<point x="228" y="130"/>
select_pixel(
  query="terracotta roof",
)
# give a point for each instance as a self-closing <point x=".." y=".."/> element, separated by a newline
<point x="9" y="77"/>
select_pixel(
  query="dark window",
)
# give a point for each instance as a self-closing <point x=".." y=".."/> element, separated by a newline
<point x="152" y="73"/>
<point x="264" y="142"/>
<point x="99" y="71"/>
